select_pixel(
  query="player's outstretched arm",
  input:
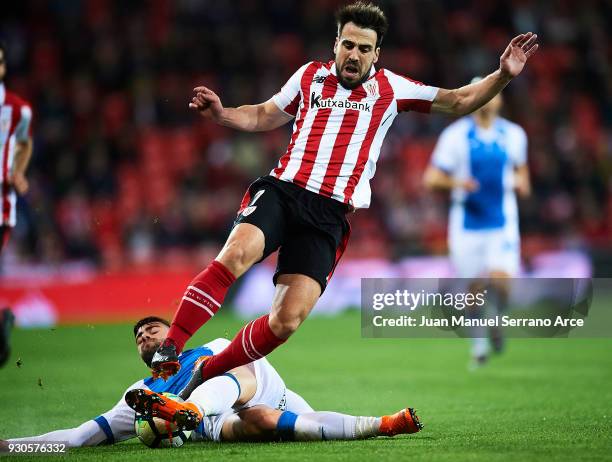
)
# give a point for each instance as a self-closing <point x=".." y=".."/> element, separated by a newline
<point x="87" y="434"/>
<point x="522" y="183"/>
<point x="250" y="118"/>
<point x="464" y="100"/>
<point x="23" y="154"/>
<point x="437" y="179"/>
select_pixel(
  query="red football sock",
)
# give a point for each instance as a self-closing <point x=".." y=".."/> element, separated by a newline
<point x="253" y="341"/>
<point x="201" y="301"/>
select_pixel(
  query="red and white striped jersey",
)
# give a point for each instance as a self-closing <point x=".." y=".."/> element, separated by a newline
<point x="15" y="117"/>
<point x="338" y="132"/>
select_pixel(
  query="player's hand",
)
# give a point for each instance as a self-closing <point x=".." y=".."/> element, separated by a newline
<point x="522" y="186"/>
<point x="20" y="183"/>
<point x="519" y="50"/>
<point x="207" y="103"/>
<point x="470" y="185"/>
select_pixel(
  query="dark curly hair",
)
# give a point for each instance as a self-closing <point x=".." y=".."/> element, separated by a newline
<point x="148" y="320"/>
<point x="365" y="15"/>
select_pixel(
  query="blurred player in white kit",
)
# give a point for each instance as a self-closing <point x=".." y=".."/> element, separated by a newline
<point x="482" y="160"/>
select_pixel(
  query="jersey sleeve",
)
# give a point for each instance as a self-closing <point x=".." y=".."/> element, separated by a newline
<point x="445" y="155"/>
<point x="23" y="130"/>
<point x="118" y="423"/>
<point x="411" y="95"/>
<point x="288" y="98"/>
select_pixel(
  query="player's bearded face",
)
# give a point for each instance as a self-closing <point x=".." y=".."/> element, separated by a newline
<point x="148" y="349"/>
<point x="351" y="74"/>
<point x="356" y="52"/>
<point x="148" y="339"/>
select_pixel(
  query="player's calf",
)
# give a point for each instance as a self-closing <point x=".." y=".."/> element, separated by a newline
<point x="295" y="297"/>
<point x="321" y="426"/>
<point x="284" y="328"/>
<point x="252" y="342"/>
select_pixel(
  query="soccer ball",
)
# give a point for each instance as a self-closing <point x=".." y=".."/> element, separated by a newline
<point x="159" y="433"/>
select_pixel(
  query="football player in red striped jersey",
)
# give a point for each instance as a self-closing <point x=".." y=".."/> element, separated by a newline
<point x="15" y="151"/>
<point x="342" y="112"/>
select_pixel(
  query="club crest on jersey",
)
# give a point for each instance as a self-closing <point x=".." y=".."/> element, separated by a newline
<point x="371" y="87"/>
<point x="318" y="102"/>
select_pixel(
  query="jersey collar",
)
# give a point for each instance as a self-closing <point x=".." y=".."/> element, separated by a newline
<point x="2" y="93"/>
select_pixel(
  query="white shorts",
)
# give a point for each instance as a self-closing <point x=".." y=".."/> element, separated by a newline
<point x="271" y="392"/>
<point x="478" y="253"/>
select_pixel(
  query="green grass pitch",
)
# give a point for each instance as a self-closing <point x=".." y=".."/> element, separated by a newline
<point x="543" y="399"/>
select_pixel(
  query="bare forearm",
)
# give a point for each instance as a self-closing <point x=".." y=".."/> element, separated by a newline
<point x="522" y="182"/>
<point x="250" y="118"/>
<point x="468" y="98"/>
<point x="23" y="154"/>
<point x="244" y="118"/>
<point x="436" y="180"/>
<point x="439" y="184"/>
<point x="253" y="118"/>
<point x="477" y="94"/>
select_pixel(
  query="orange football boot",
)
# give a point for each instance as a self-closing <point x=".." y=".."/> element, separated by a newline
<point x="402" y="422"/>
<point x="149" y="403"/>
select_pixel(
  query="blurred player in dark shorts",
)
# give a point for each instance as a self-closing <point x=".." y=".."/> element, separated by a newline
<point x="6" y="323"/>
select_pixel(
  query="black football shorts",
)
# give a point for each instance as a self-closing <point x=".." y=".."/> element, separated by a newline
<point x="310" y="231"/>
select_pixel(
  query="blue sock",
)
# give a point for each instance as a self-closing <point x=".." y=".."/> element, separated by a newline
<point x="286" y="426"/>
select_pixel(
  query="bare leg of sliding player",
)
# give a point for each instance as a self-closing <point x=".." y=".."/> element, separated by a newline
<point x="261" y="423"/>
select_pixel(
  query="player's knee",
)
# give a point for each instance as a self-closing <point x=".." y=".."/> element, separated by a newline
<point x="262" y="420"/>
<point x="237" y="257"/>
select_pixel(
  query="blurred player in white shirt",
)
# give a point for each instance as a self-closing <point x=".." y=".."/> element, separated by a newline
<point x="482" y="160"/>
